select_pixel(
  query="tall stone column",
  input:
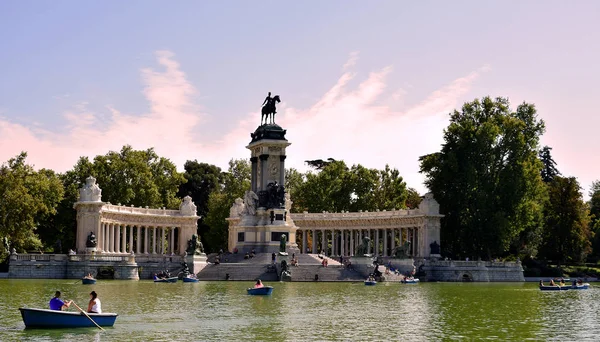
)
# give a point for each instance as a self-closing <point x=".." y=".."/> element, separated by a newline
<point x="304" y="241"/>
<point x="323" y="242"/>
<point x="171" y="241"/>
<point x="393" y="243"/>
<point x="351" y="251"/>
<point x="118" y="239"/>
<point x="385" y="242"/>
<point x="282" y="170"/>
<point x="124" y="239"/>
<point x="138" y="245"/>
<point x="342" y="242"/>
<point x="376" y="245"/>
<point x="146" y="251"/>
<point x="99" y="236"/>
<point x="130" y="239"/>
<point x="162" y="240"/>
<point x="314" y="241"/>
<point x="333" y="244"/>
<point x="253" y="181"/>
<point x="154" y="240"/>
<point x="264" y="173"/>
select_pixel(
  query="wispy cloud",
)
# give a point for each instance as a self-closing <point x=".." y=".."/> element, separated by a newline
<point x="356" y="124"/>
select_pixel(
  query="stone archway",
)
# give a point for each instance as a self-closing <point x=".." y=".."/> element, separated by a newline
<point x="466" y="277"/>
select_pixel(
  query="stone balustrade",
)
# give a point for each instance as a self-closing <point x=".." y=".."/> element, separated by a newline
<point x="121" y="209"/>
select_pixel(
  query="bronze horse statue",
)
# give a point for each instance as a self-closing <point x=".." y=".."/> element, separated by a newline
<point x="269" y="109"/>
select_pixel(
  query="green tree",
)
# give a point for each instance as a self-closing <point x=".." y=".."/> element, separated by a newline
<point x="594" y="205"/>
<point x="391" y="192"/>
<point x="236" y="181"/>
<point x="567" y="235"/>
<point x="549" y="171"/>
<point x="201" y="180"/>
<point x="487" y="178"/>
<point x="26" y="198"/>
<point x="413" y="199"/>
<point x="294" y="184"/>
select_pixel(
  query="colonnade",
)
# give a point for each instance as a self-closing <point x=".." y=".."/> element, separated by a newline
<point x="139" y="239"/>
<point x="346" y="241"/>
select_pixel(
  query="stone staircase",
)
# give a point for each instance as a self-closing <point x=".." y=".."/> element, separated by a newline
<point x="260" y="267"/>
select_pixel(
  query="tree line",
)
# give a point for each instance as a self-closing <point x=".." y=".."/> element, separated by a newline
<point x="500" y="191"/>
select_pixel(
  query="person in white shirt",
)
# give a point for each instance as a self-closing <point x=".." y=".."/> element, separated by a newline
<point x="94" y="305"/>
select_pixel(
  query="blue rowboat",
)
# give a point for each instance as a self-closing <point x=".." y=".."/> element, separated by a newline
<point x="44" y="318"/>
<point x="370" y="282"/>
<point x="583" y="286"/>
<point x="261" y="291"/>
<point x="410" y="281"/>
<point x="88" y="281"/>
<point x="554" y="288"/>
<point x="190" y="280"/>
<point x="166" y="280"/>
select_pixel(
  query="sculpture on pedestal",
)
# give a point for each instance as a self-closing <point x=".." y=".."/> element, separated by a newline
<point x="195" y="246"/>
<point x="90" y="192"/>
<point x="91" y="241"/>
<point x="273" y="197"/>
<point x="187" y="207"/>
<point x="282" y="243"/>
<point x="363" y="248"/>
<point x="238" y="208"/>
<point x="250" y="201"/>
<point x="435" y="247"/>
<point x="269" y="109"/>
<point x="402" y="252"/>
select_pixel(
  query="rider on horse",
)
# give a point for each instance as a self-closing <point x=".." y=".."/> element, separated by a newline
<point x="268" y="100"/>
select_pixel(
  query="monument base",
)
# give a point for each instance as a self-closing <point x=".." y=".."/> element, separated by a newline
<point x="196" y="263"/>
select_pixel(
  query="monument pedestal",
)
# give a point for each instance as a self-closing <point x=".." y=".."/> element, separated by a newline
<point x="196" y="263"/>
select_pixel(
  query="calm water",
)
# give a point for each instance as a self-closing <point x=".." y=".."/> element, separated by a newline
<point x="218" y="311"/>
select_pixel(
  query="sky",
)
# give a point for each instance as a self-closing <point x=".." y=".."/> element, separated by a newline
<point x="369" y="82"/>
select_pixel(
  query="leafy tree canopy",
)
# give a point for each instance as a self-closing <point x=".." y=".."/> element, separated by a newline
<point x="487" y="178"/>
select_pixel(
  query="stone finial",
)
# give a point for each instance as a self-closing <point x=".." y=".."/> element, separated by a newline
<point x="429" y="205"/>
<point x="90" y="192"/>
<point x="187" y="207"/>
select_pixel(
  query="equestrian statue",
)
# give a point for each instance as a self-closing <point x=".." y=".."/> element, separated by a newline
<point x="268" y="109"/>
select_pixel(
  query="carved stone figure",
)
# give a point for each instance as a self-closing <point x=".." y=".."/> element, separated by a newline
<point x="91" y="240"/>
<point x="282" y="243"/>
<point x="288" y="201"/>
<point x="363" y="248"/>
<point x="90" y="191"/>
<point x="273" y="197"/>
<point x="435" y="247"/>
<point x="269" y="109"/>
<point x="187" y="207"/>
<point x="13" y="251"/>
<point x="429" y="205"/>
<point x="238" y="208"/>
<point x="250" y="201"/>
<point x="195" y="246"/>
<point x="402" y="252"/>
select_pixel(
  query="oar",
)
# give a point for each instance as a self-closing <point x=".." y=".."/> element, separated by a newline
<point x="88" y="316"/>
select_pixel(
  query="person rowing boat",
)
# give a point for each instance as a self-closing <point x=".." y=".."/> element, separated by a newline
<point x="58" y="304"/>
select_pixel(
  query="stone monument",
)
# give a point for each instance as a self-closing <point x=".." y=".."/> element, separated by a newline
<point x="195" y="255"/>
<point x="259" y="220"/>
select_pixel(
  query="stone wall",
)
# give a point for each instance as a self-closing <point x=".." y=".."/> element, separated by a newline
<point x="478" y="271"/>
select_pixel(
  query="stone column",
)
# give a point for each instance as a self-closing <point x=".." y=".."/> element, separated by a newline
<point x="138" y="245"/>
<point x="171" y="241"/>
<point x="124" y="239"/>
<point x="146" y="240"/>
<point x="162" y="240"/>
<point x="393" y="243"/>
<point x="118" y="239"/>
<point x="385" y="233"/>
<point x="314" y="241"/>
<point x="110" y="236"/>
<point x="99" y="235"/>
<point x="332" y="242"/>
<point x="254" y="161"/>
<point x="351" y="243"/>
<point x="304" y="241"/>
<point x="376" y="245"/>
<point x="263" y="171"/>
<point x="342" y="246"/>
<point x="282" y="170"/>
<point x="130" y="239"/>
<point x="323" y="242"/>
<point x="154" y="240"/>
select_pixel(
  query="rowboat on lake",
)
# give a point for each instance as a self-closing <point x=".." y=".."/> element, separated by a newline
<point x="44" y="318"/>
<point x="410" y="281"/>
<point x="166" y="280"/>
<point x="260" y="291"/>
<point x="584" y="286"/>
<point x="88" y="281"/>
<point x="370" y="282"/>
<point x="190" y="279"/>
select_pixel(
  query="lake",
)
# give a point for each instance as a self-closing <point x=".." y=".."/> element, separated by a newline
<point x="218" y="311"/>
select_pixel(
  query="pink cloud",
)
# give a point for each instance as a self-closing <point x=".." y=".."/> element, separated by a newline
<point x="358" y="125"/>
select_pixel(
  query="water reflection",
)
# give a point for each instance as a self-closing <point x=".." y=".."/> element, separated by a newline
<point x="219" y="311"/>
